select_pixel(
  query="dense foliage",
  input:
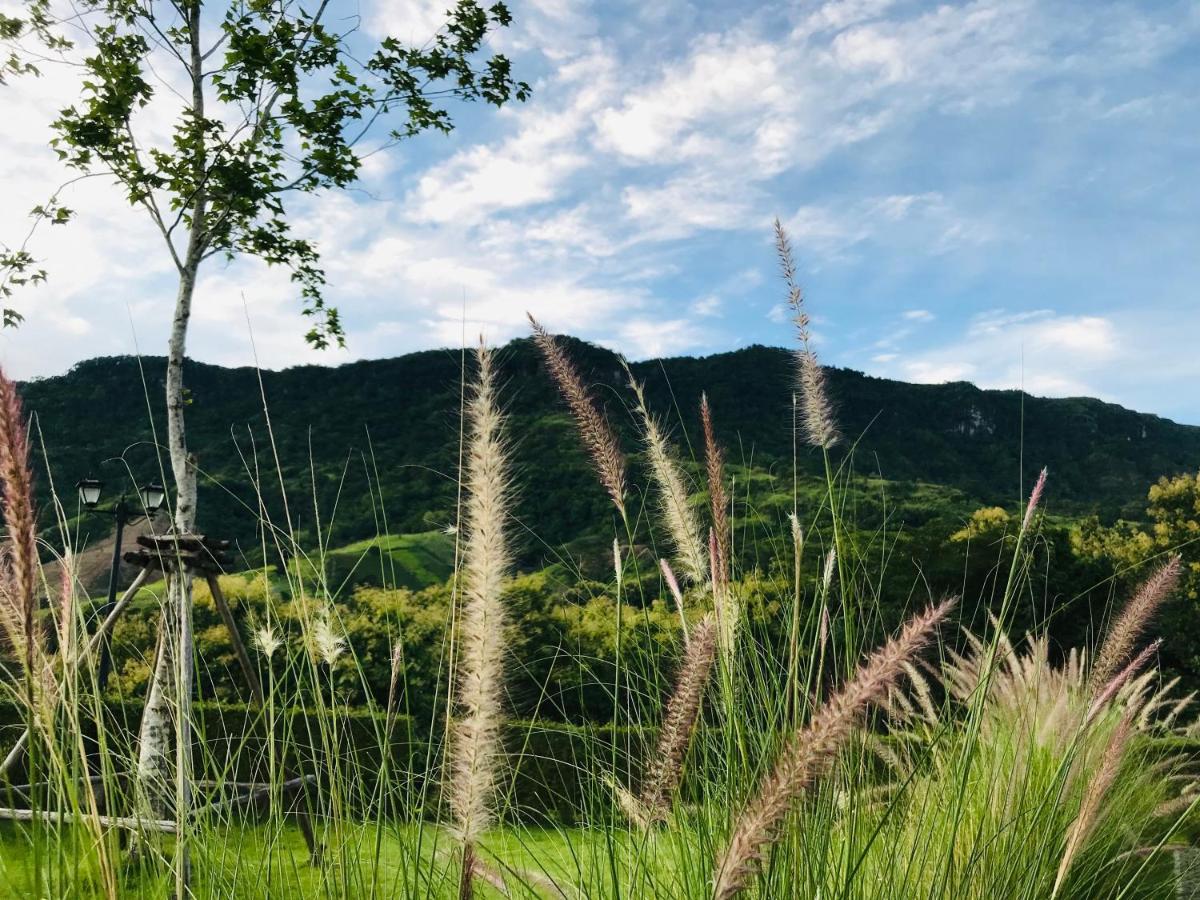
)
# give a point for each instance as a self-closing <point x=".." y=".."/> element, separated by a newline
<point x="562" y="639"/>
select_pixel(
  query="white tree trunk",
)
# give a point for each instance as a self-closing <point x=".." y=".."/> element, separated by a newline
<point x="168" y="701"/>
<point x="171" y="683"/>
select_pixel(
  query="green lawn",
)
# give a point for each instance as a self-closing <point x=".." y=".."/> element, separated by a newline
<point x="266" y="861"/>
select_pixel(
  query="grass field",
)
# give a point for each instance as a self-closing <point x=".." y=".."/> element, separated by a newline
<point x="262" y="861"/>
<point x="414" y="861"/>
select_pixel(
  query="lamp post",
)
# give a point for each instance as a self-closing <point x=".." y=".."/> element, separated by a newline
<point x="150" y="497"/>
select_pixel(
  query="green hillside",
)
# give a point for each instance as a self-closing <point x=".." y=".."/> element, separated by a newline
<point x="412" y="561"/>
<point x="369" y="451"/>
<point x="370" y="448"/>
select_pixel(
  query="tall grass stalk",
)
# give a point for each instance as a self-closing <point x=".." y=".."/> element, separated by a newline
<point x="675" y="505"/>
<point x="1124" y="633"/>
<point x="820" y="425"/>
<point x="665" y="765"/>
<point x="594" y="430"/>
<point x="476" y="747"/>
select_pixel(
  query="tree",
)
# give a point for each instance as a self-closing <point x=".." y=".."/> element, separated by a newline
<point x="1174" y="527"/>
<point x="1173" y="514"/>
<point x="269" y="98"/>
<point x="987" y="522"/>
<point x="1174" y="510"/>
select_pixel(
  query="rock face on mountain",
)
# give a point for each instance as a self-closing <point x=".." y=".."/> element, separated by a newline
<point x="372" y="446"/>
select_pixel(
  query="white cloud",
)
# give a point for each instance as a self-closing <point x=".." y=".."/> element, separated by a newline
<point x="918" y="315"/>
<point x="871" y="50"/>
<point x="412" y="21"/>
<point x="733" y="79"/>
<point x="927" y="222"/>
<point x="651" y="337"/>
<point x="931" y="372"/>
<point x="528" y="168"/>
<point x="681" y="207"/>
<point x="835" y="15"/>
<point x="1043" y="351"/>
<point x="1091" y="336"/>
<point x="104" y="262"/>
<point x="572" y="230"/>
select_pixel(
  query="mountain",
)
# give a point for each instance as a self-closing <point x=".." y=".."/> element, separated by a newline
<point x="372" y="446"/>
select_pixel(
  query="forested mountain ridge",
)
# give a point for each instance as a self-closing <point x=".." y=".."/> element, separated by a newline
<point x="380" y="437"/>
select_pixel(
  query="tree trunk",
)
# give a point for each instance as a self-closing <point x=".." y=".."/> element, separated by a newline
<point x="171" y="684"/>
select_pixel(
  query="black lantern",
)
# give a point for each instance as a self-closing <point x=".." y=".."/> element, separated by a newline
<point x="89" y="491"/>
<point x="153" y="496"/>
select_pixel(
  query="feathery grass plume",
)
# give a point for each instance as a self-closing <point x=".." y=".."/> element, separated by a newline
<point x="718" y="536"/>
<point x="811" y="751"/>
<point x="65" y="619"/>
<point x="714" y="464"/>
<point x="267" y="641"/>
<point x="676" y="594"/>
<point x="327" y="643"/>
<point x="397" y="664"/>
<point x="1093" y="796"/>
<point x="819" y="423"/>
<point x="1035" y="497"/>
<point x="1123" y="634"/>
<point x="677" y="511"/>
<point x="679" y="721"/>
<point x="1105" y="695"/>
<point x="597" y="434"/>
<point x="18" y="591"/>
<point x="487" y="558"/>
<point x="725" y="606"/>
<point x="632" y="806"/>
<point x="830" y="569"/>
<point x="797" y="533"/>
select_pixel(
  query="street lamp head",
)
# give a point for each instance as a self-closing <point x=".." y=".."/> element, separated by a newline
<point x="153" y="496"/>
<point x="89" y="491"/>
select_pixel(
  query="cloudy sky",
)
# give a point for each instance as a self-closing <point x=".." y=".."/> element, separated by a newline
<point x="1002" y="191"/>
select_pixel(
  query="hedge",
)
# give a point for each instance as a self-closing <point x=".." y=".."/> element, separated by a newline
<point x="554" y="767"/>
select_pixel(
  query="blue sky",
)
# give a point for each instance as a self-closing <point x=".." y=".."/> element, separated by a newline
<point x="1002" y="191"/>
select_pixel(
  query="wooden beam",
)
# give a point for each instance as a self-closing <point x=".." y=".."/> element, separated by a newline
<point x="169" y="561"/>
<point x="182" y="543"/>
<point x="131" y="823"/>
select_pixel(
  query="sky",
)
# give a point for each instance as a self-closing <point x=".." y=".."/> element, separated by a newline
<point x="1003" y="191"/>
